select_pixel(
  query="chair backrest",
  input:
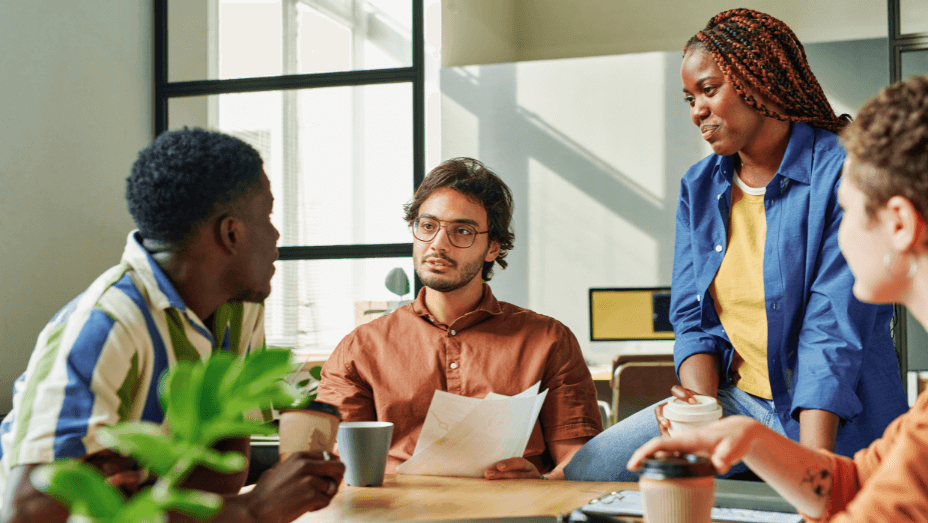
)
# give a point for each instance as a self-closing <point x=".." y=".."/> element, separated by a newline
<point x="639" y="381"/>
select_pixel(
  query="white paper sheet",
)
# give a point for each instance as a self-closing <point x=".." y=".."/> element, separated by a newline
<point x="464" y="436"/>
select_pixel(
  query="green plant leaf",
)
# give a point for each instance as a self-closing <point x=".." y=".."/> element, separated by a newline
<point x="213" y="393"/>
<point x="80" y="487"/>
<point x="316" y="372"/>
<point x="144" y="507"/>
<point x="146" y="443"/>
<point x="181" y="402"/>
<point x="222" y="429"/>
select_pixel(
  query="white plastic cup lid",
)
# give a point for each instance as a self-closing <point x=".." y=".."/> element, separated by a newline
<point x="706" y="409"/>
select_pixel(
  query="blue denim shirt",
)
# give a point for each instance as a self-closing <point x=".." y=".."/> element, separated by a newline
<point x="825" y="349"/>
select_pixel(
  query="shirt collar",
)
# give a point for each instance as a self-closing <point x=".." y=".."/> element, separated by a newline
<point x="160" y="290"/>
<point x="489" y="306"/>
<point x="797" y="159"/>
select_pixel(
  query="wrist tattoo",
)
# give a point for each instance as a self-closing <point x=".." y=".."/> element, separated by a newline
<point x="819" y="481"/>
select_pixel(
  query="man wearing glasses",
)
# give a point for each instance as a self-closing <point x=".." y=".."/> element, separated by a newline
<point x="458" y="338"/>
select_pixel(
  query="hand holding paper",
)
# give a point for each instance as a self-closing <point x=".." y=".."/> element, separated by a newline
<point x="464" y="436"/>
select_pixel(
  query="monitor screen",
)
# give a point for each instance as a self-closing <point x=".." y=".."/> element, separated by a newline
<point x="630" y="314"/>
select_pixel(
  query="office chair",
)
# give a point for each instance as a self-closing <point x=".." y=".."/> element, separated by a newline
<point x="639" y="381"/>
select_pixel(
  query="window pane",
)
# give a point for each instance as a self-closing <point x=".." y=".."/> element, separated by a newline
<point x="914" y="63"/>
<point x="339" y="159"/>
<point x="222" y="39"/>
<point x="307" y="311"/>
<point x="913" y="16"/>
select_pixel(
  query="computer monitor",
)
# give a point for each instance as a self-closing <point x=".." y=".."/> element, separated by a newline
<point x="627" y="314"/>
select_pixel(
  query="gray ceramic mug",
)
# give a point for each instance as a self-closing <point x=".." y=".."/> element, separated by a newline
<point x="363" y="447"/>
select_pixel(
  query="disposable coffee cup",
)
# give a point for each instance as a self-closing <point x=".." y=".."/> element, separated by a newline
<point x="363" y="447"/>
<point x="677" y="489"/>
<point x="313" y="428"/>
<point x="684" y="416"/>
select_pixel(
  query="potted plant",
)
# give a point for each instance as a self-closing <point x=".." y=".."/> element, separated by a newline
<point x="204" y="402"/>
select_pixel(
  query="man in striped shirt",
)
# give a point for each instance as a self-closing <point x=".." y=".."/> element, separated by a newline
<point x="191" y="281"/>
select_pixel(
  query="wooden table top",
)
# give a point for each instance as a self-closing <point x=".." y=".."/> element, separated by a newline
<point x="416" y="498"/>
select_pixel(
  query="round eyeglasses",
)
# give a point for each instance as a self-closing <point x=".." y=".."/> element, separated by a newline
<point x="461" y="235"/>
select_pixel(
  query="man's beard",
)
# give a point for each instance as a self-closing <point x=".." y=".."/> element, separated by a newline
<point x="436" y="282"/>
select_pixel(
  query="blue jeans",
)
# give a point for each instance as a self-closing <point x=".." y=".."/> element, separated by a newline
<point x="604" y="457"/>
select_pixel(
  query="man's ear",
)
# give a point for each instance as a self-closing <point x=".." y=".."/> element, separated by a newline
<point x="492" y="252"/>
<point x="230" y="233"/>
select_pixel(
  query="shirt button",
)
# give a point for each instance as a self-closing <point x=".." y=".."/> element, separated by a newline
<point x="719" y="197"/>
<point x="453" y="332"/>
<point x="697" y="297"/>
<point x="453" y="365"/>
<point x="718" y="248"/>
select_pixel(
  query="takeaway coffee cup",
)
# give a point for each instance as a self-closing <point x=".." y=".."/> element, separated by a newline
<point x="363" y="448"/>
<point x="311" y="429"/>
<point x="677" y="489"/>
<point x="684" y="416"/>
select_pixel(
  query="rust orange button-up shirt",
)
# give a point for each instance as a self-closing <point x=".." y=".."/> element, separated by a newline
<point x="389" y="369"/>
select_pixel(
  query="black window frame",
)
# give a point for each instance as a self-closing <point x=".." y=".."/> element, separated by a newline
<point x="415" y="75"/>
<point x="900" y="43"/>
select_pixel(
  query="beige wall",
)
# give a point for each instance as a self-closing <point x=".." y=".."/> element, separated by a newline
<point x="499" y="31"/>
<point x="76" y="85"/>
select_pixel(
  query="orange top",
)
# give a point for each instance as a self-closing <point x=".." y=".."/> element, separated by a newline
<point x="389" y="369"/>
<point x="887" y="481"/>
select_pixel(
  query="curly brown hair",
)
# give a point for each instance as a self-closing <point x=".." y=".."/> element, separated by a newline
<point x="889" y="139"/>
<point x="472" y="179"/>
<point x="758" y="53"/>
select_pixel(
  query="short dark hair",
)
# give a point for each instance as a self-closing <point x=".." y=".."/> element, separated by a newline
<point x="472" y="179"/>
<point x="889" y="139"/>
<point x="757" y="52"/>
<point x="184" y="177"/>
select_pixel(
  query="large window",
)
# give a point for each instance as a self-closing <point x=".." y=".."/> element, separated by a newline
<point x="331" y="93"/>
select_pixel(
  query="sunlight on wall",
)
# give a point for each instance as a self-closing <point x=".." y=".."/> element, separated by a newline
<point x="575" y="243"/>
<point x="460" y="131"/>
<point x="611" y="117"/>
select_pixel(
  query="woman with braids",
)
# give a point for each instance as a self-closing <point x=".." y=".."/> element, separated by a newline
<point x="761" y="303"/>
<point x="883" y="234"/>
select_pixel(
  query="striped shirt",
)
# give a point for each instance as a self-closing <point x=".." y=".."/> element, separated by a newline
<point x="100" y="359"/>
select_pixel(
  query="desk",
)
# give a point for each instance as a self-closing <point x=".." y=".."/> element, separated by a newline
<point x="410" y="498"/>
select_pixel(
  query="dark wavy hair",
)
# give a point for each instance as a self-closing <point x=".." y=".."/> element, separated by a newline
<point x="472" y="179"/>
<point x="889" y="139"/>
<point x="187" y="176"/>
<point x="756" y="52"/>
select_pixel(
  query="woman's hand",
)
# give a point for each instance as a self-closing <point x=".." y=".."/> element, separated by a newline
<point x="679" y="392"/>
<point x="725" y="443"/>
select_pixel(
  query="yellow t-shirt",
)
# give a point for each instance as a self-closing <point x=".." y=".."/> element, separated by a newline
<point x="738" y="289"/>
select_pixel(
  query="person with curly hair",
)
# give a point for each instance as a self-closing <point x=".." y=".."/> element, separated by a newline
<point x="761" y="304"/>
<point x="884" y="237"/>
<point x="191" y="281"/>
<point x="457" y="337"/>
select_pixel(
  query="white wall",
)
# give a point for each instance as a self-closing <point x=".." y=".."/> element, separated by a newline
<point x="499" y="31"/>
<point x="76" y="84"/>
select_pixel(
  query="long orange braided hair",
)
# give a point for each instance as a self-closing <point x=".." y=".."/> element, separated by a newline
<point x="757" y="52"/>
